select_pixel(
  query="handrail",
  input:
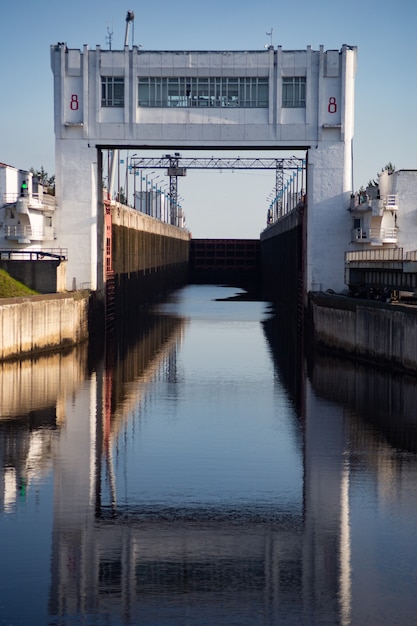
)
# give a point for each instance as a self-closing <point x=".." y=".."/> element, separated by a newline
<point x="38" y="255"/>
<point x="363" y="202"/>
<point x="391" y="200"/>
<point x="44" y="199"/>
<point x="375" y="234"/>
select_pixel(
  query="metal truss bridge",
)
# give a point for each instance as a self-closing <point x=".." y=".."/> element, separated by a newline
<point x="219" y="163"/>
<point x="176" y="165"/>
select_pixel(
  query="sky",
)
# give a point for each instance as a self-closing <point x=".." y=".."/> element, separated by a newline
<point x="227" y="204"/>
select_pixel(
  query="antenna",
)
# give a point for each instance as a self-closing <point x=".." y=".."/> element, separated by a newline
<point x="109" y="37"/>
<point x="270" y="35"/>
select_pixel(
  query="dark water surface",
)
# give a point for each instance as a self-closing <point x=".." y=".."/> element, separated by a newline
<point x="205" y="473"/>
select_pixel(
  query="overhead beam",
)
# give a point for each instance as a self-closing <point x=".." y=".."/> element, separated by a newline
<point x="219" y="163"/>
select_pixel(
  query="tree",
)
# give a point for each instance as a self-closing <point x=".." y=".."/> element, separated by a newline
<point x="122" y="196"/>
<point x="47" y="181"/>
<point x="389" y="167"/>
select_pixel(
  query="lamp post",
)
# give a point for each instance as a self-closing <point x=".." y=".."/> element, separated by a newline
<point x="143" y="190"/>
<point x="129" y="169"/>
<point x="148" y="194"/>
<point x="155" y="204"/>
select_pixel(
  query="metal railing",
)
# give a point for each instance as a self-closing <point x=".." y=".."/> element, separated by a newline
<point x="411" y="255"/>
<point x="34" y="255"/>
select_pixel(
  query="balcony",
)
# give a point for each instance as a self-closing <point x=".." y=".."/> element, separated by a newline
<point x="374" y="236"/>
<point x="27" y="234"/>
<point x="39" y="202"/>
<point x="363" y="203"/>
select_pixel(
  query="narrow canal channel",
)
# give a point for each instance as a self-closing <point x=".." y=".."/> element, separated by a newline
<point x="204" y="473"/>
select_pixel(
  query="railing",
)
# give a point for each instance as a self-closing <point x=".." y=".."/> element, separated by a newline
<point x="10" y="198"/>
<point x="360" y="234"/>
<point x="383" y="234"/>
<point x="27" y="232"/>
<point x="362" y="202"/>
<point x="391" y="202"/>
<point x="46" y="201"/>
<point x="382" y="254"/>
<point x="34" y="255"/>
<point x="411" y="255"/>
<point x="366" y="235"/>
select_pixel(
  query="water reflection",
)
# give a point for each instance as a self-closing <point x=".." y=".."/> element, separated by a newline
<point x="195" y="474"/>
<point x="33" y="394"/>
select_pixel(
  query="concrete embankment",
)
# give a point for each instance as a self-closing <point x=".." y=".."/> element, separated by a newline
<point x="149" y="257"/>
<point x="37" y="324"/>
<point x="374" y="331"/>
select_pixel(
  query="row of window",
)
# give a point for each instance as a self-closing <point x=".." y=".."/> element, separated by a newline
<point x="240" y="92"/>
<point x="203" y="92"/>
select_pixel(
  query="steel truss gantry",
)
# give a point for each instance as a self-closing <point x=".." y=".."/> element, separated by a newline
<point x="219" y="163"/>
<point x="176" y="165"/>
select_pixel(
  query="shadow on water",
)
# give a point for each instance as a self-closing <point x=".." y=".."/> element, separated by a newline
<point x="384" y="401"/>
<point x="286" y="348"/>
<point x="375" y="397"/>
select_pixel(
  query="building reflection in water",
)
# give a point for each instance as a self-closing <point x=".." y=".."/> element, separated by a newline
<point x="254" y="565"/>
<point x="33" y="395"/>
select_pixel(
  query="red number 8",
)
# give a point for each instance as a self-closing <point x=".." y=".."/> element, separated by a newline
<point x="74" y="102"/>
<point x="332" y="107"/>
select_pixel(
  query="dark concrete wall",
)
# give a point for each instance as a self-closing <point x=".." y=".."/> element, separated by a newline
<point x="150" y="258"/>
<point x="283" y="260"/>
<point x="140" y="251"/>
<point x="41" y="276"/>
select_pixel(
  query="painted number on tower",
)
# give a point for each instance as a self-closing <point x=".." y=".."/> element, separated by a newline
<point x="74" y="102"/>
<point x="332" y="106"/>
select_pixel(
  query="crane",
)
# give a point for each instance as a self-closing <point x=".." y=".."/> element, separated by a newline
<point x="129" y="18"/>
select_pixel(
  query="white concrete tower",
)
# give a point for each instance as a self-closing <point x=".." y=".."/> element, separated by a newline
<point x="249" y="100"/>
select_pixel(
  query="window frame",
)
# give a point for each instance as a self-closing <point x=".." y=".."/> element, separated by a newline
<point x="199" y="92"/>
<point x="110" y="88"/>
<point x="294" y="90"/>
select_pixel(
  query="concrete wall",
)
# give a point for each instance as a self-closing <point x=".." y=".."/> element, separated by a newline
<point x="141" y="242"/>
<point x="403" y="184"/>
<point x="41" y="276"/>
<point x="40" y="323"/>
<point x="283" y="259"/>
<point x="370" y="330"/>
<point x="150" y="258"/>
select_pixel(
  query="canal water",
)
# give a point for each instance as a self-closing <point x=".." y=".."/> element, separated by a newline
<point x="205" y="472"/>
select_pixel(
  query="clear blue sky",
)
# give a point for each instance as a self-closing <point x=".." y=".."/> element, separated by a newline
<point x="227" y="204"/>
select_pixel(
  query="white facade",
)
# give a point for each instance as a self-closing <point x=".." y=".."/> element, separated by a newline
<point x="26" y="212"/>
<point x="261" y="100"/>
<point x="385" y="215"/>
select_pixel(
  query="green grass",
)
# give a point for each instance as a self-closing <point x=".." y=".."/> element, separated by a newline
<point x="11" y="288"/>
